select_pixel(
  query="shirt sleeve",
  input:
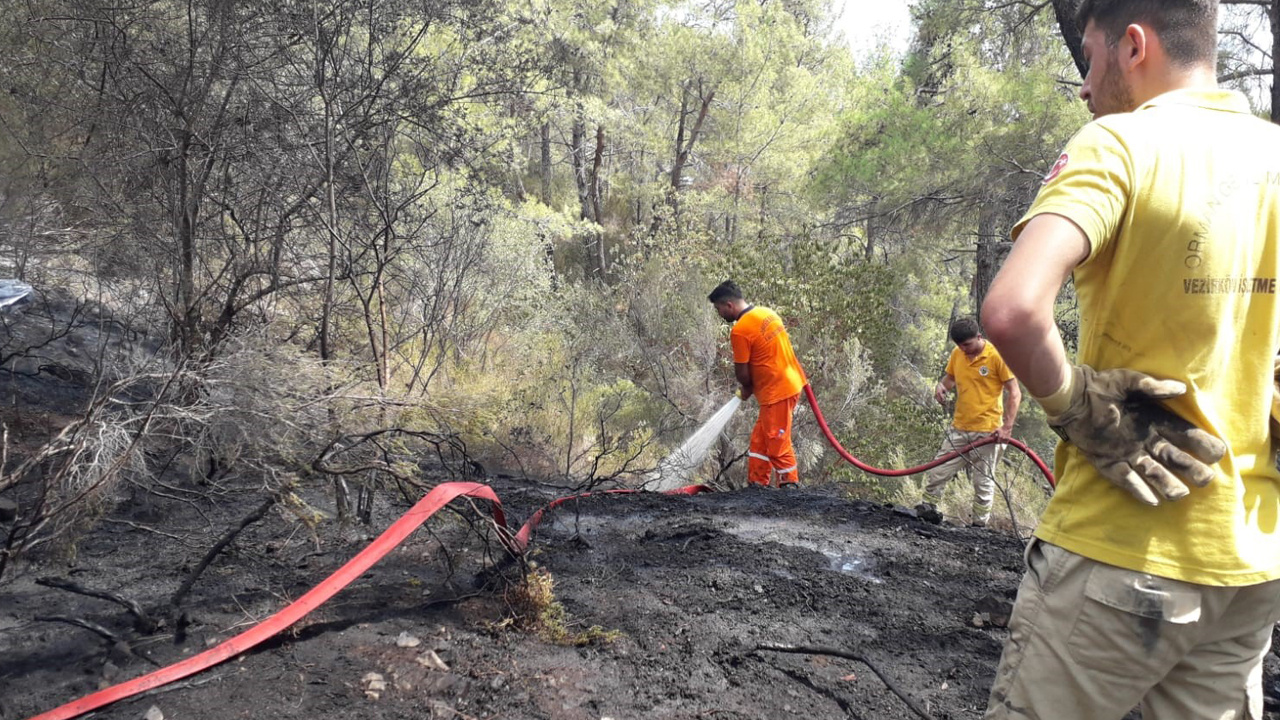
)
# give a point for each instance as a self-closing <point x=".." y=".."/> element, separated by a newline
<point x="1002" y="371"/>
<point x="951" y="364"/>
<point x="741" y="345"/>
<point x="1090" y="185"/>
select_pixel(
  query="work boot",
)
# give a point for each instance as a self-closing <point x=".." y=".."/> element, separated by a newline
<point x="789" y="486"/>
<point x="980" y="521"/>
<point x="929" y="513"/>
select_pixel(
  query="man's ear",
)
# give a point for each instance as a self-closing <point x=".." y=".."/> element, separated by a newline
<point x="1134" y="46"/>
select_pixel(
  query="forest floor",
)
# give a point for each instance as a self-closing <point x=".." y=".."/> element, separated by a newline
<point x="668" y="598"/>
<point x="642" y="606"/>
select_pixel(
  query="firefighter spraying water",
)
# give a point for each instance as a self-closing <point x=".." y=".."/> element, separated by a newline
<point x="765" y="366"/>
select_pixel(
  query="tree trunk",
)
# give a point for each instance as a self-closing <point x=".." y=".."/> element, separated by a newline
<point x="187" y="209"/>
<point x="946" y="332"/>
<point x="872" y="235"/>
<point x="602" y="262"/>
<point x="1065" y="12"/>
<point x="331" y="203"/>
<point x="384" y="327"/>
<point x="1275" y="61"/>
<point x="576" y="138"/>
<point x="992" y="250"/>
<point x="676" y="167"/>
<point x="545" y="165"/>
<point x="578" y="151"/>
<point x="685" y="148"/>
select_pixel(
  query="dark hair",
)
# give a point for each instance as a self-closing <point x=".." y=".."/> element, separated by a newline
<point x="1187" y="28"/>
<point x="727" y="290"/>
<point x="963" y="329"/>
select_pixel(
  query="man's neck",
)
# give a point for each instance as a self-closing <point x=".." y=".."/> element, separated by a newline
<point x="1192" y="78"/>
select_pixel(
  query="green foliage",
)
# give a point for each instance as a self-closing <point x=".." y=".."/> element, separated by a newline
<point x="506" y="216"/>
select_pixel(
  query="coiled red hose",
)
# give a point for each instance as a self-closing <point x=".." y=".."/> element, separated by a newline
<point x="831" y="438"/>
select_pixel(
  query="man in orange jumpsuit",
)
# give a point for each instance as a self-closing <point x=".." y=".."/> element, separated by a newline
<point x="765" y="366"/>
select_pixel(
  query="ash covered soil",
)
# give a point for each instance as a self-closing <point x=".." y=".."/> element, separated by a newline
<point x="670" y="596"/>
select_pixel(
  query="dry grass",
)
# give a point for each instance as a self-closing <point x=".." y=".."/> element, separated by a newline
<point x="534" y="608"/>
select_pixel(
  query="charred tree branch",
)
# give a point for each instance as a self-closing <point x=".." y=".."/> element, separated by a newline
<point x="260" y="512"/>
<point x="143" y="623"/>
<point x="834" y="652"/>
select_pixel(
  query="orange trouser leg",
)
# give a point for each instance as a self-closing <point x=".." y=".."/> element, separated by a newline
<point x="770" y="447"/>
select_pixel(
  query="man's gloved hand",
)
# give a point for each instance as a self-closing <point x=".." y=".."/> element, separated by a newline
<point x="1275" y="392"/>
<point x="1275" y="410"/>
<point x="1113" y="417"/>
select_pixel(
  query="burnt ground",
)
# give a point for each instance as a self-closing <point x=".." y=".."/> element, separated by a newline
<point x="680" y="591"/>
<point x="669" y="596"/>
<point x="653" y="607"/>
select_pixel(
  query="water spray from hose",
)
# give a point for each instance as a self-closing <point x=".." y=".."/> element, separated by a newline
<point x="674" y="470"/>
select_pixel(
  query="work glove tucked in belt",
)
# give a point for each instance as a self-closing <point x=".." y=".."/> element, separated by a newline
<point x="1113" y="418"/>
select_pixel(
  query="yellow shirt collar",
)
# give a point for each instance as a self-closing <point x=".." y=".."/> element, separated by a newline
<point x="982" y="355"/>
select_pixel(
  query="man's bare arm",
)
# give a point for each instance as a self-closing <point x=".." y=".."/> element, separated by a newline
<point x="1012" y="399"/>
<point x="1018" y="311"/>
<point x="742" y="371"/>
<point x="1146" y="450"/>
<point x="942" y="388"/>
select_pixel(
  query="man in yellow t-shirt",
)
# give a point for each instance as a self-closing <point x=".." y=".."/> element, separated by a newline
<point x="981" y="379"/>
<point x="1154" y="574"/>
<point x="765" y="366"/>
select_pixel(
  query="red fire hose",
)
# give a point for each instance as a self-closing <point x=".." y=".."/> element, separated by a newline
<point x="831" y="438"/>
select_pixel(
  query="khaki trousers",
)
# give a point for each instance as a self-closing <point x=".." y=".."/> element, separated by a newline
<point x="1089" y="641"/>
<point x="979" y="463"/>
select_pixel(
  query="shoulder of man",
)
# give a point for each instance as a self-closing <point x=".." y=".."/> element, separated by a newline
<point x="955" y="357"/>
<point x="747" y="322"/>
<point x="1105" y="135"/>
<point x="997" y="361"/>
<point x="769" y="319"/>
<point x="1126" y="132"/>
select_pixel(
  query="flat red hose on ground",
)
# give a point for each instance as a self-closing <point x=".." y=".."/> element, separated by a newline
<point x="439" y="496"/>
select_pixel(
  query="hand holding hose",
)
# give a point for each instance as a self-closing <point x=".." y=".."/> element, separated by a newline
<point x="1114" y="418"/>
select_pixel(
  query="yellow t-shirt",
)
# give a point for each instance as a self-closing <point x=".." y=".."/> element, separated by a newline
<point x="979" y="389"/>
<point x="759" y="338"/>
<point x="1180" y="201"/>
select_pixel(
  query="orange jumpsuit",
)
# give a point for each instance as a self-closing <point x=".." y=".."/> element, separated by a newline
<point x="760" y="340"/>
